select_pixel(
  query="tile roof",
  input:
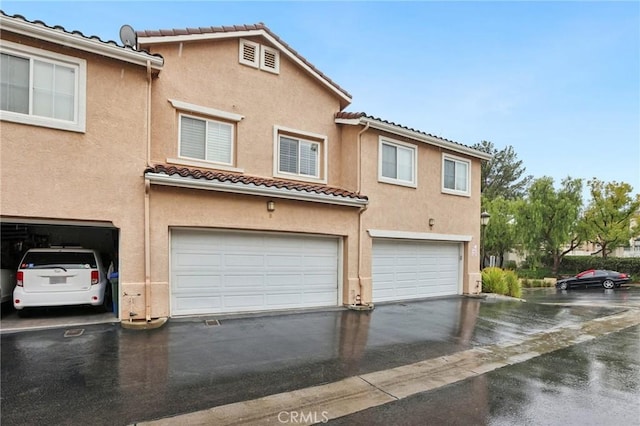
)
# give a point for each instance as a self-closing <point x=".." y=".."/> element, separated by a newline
<point x="229" y="177"/>
<point x="74" y="33"/>
<point x="238" y="28"/>
<point x="358" y="115"/>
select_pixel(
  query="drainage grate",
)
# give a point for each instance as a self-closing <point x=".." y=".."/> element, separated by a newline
<point x="211" y="322"/>
<point x="74" y="332"/>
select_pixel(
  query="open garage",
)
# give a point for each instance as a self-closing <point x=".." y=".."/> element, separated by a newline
<point x="21" y="234"/>
<point x="216" y="272"/>
<point x="405" y="270"/>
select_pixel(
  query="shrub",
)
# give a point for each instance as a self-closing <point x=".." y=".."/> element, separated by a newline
<point x="493" y="281"/>
<point x="513" y="284"/>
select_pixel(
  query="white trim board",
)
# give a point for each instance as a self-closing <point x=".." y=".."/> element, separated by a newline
<point x="405" y="235"/>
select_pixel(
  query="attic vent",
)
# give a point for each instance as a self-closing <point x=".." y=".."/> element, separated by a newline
<point x="249" y="53"/>
<point x="270" y="60"/>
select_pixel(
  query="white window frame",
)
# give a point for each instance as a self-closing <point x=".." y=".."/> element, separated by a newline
<point x="206" y="121"/>
<point x="303" y="136"/>
<point x="205" y="113"/>
<point x="78" y="124"/>
<point x="455" y="159"/>
<point x="413" y="183"/>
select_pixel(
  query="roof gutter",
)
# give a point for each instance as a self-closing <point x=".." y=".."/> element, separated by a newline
<point x="75" y="41"/>
<point x="241" y="188"/>
<point x="412" y="134"/>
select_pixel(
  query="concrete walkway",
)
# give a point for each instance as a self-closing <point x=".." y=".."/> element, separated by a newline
<point x="321" y="403"/>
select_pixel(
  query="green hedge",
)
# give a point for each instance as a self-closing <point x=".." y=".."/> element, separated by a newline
<point x="571" y="265"/>
<point x="538" y="273"/>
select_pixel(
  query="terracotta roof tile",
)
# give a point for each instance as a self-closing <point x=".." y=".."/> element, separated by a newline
<point x="238" y="28"/>
<point x="221" y="176"/>
<point x="73" y="32"/>
<point x="357" y="115"/>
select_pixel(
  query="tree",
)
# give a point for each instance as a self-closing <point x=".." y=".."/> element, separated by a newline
<point x="611" y="217"/>
<point x="502" y="176"/>
<point x="500" y="237"/>
<point x="548" y="220"/>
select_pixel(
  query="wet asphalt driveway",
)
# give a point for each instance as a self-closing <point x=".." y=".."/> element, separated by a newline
<point x="108" y="375"/>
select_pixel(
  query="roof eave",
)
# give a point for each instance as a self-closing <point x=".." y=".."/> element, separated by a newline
<point x="241" y="188"/>
<point x="345" y="99"/>
<point x="73" y="41"/>
<point x="412" y="134"/>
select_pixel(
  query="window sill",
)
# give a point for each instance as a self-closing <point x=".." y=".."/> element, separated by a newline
<point x="42" y="122"/>
<point x="301" y="178"/>
<point x="457" y="193"/>
<point x="398" y="182"/>
<point x="206" y="164"/>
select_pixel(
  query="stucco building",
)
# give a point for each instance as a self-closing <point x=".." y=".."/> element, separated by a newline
<point x="221" y="173"/>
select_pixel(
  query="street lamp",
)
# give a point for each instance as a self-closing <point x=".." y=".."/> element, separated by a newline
<point x="484" y="221"/>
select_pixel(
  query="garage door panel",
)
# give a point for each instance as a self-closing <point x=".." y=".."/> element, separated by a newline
<point x="410" y="269"/>
<point x="199" y="302"/>
<point x="187" y="259"/>
<point x="185" y="283"/>
<point x="251" y="271"/>
<point x="242" y="301"/>
<point x="319" y="278"/>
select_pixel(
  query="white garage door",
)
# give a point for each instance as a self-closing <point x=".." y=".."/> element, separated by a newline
<point x="414" y="269"/>
<point x="218" y="272"/>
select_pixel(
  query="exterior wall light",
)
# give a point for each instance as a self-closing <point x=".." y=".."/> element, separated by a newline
<point x="432" y="222"/>
<point x="271" y="206"/>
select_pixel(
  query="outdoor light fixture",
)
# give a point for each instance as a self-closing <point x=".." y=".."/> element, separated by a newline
<point x="271" y="206"/>
<point x="484" y="221"/>
<point x="432" y="222"/>
<point x="484" y="218"/>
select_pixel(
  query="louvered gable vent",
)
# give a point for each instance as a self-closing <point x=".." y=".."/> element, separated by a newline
<point x="258" y="56"/>
<point x="249" y="53"/>
<point x="270" y="60"/>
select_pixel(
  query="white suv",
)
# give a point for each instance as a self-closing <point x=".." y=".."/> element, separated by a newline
<point x="60" y="277"/>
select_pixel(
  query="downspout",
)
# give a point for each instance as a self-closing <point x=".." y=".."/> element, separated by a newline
<point x="147" y="253"/>
<point x="359" y="164"/>
<point x="149" y="323"/>
<point x="358" y="300"/>
<point x="147" y="226"/>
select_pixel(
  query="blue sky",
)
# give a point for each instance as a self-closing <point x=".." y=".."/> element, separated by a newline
<point x="559" y="81"/>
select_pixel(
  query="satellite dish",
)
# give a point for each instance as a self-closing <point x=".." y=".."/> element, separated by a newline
<point x="128" y="36"/>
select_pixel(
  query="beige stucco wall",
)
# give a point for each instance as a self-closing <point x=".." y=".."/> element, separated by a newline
<point x="208" y="74"/>
<point x="399" y="208"/>
<point x="97" y="175"/>
<point x="92" y="176"/>
<point x="180" y="207"/>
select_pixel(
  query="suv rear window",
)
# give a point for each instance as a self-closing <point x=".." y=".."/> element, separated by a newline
<point x="69" y="260"/>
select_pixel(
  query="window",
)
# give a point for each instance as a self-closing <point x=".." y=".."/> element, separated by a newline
<point x="397" y="163"/>
<point x="455" y="175"/>
<point x="206" y="140"/>
<point x="42" y="88"/>
<point x="301" y="155"/>
<point x="298" y="157"/>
